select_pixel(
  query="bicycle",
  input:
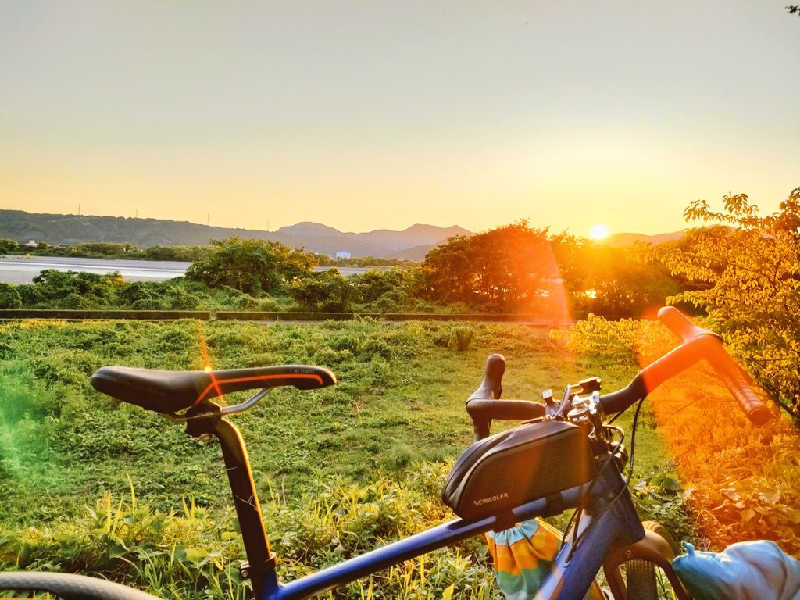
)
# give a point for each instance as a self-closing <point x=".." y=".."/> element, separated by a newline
<point x="605" y="531"/>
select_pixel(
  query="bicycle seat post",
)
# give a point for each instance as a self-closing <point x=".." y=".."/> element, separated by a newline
<point x="261" y="563"/>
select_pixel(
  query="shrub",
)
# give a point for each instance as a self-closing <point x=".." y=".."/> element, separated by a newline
<point x="9" y="296"/>
<point x="177" y="253"/>
<point x="504" y="269"/>
<point x="327" y="291"/>
<point x="461" y="338"/>
<point x="268" y="305"/>
<point x="250" y="266"/>
<point x="625" y="339"/>
<point x="7" y="245"/>
<point x="68" y="289"/>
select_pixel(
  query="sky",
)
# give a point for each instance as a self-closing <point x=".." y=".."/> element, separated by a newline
<point x="366" y="115"/>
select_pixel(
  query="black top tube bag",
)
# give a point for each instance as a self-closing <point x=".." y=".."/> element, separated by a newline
<point x="531" y="461"/>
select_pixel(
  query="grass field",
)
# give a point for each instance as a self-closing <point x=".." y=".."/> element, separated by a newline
<point x="339" y="470"/>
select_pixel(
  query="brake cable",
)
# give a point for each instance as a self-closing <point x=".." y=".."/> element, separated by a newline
<point x="577" y="538"/>
<point x="633" y="441"/>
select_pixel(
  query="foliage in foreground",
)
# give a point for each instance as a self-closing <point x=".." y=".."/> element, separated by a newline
<point x="382" y="439"/>
<point x="191" y="554"/>
<point x="749" y="266"/>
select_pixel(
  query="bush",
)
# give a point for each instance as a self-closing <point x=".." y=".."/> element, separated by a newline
<point x="327" y="291"/>
<point x="68" y="289"/>
<point x="629" y="340"/>
<point x="104" y="249"/>
<point x="7" y="245"/>
<point x="269" y="305"/>
<point x="250" y="266"/>
<point x="461" y="338"/>
<point x="9" y="296"/>
<point x="176" y="253"/>
<point x="504" y="269"/>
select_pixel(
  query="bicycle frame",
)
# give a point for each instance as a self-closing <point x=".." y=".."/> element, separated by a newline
<point x="609" y="520"/>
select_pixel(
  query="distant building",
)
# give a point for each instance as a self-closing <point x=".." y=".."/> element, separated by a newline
<point x="32" y="244"/>
<point x="342" y="254"/>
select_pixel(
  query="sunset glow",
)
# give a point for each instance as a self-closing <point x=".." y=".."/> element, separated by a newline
<point x="342" y="117"/>
<point x="599" y="231"/>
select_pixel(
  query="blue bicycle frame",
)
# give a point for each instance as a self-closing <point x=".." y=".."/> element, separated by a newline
<point x="609" y="519"/>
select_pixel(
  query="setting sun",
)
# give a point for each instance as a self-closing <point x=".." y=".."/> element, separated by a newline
<point x="599" y="231"/>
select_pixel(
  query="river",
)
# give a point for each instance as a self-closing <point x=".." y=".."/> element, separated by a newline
<point x="22" y="269"/>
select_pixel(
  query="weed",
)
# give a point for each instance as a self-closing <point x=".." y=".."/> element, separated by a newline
<point x="340" y="471"/>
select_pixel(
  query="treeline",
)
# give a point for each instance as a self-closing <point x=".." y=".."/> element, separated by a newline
<point x="106" y="250"/>
<point x="324" y="260"/>
<point x="92" y="291"/>
<point x="521" y="269"/>
<point x="113" y="250"/>
<point x="512" y="269"/>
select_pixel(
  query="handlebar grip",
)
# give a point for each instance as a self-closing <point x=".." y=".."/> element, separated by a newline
<point x="741" y="386"/>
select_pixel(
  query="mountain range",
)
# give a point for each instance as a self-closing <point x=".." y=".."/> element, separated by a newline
<point x="411" y="243"/>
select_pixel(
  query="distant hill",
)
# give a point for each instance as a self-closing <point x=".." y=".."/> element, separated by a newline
<point x="620" y="240"/>
<point x="73" y="229"/>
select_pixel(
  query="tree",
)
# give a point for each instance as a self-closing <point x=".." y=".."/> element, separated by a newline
<point x="9" y="296"/>
<point x="750" y="267"/>
<point x="613" y="282"/>
<point x="510" y="268"/>
<point x="7" y="245"/>
<point x="373" y="284"/>
<point x="250" y="266"/>
<point x="327" y="291"/>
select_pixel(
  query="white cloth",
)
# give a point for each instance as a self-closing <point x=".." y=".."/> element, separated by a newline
<point x="744" y="571"/>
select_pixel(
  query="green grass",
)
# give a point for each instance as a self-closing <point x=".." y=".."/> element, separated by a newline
<point x="382" y="439"/>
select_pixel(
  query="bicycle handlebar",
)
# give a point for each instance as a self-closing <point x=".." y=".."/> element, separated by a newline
<point x="701" y="343"/>
<point x="697" y="344"/>
<point x="484" y="404"/>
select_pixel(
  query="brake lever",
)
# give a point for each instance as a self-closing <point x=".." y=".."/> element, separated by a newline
<point x="560" y="410"/>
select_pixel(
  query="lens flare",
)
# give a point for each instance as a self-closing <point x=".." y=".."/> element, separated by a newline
<point x="208" y="368"/>
<point x="739" y="480"/>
